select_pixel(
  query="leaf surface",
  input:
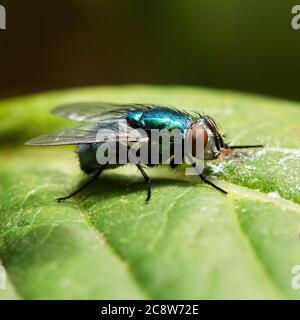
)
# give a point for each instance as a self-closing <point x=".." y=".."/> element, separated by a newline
<point x="190" y="241"/>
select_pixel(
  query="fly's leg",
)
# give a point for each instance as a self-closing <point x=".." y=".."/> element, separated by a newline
<point x="211" y="184"/>
<point x="147" y="179"/>
<point x="89" y="182"/>
<point x="203" y="178"/>
<point x="173" y="165"/>
<point x="246" y="147"/>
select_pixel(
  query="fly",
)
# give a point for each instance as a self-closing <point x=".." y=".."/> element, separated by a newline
<point x="131" y="124"/>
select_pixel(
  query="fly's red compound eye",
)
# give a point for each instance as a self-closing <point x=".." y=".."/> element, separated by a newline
<point x="197" y="134"/>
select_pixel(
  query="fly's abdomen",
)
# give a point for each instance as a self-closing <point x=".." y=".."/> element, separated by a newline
<point x="87" y="157"/>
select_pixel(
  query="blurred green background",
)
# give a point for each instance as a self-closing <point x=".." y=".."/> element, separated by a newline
<point x="236" y="44"/>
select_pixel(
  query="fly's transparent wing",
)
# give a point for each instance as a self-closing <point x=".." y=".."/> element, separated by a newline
<point x="110" y="130"/>
<point x="66" y="137"/>
<point x="93" y="111"/>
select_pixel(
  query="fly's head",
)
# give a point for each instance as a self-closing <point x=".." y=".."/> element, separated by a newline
<point x="211" y="139"/>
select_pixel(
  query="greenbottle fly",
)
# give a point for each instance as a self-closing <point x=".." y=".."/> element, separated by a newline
<point x="106" y="124"/>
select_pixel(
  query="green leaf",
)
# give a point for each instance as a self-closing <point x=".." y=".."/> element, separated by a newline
<point x="190" y="241"/>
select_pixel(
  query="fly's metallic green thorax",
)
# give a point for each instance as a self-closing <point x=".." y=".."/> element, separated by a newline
<point x="157" y="117"/>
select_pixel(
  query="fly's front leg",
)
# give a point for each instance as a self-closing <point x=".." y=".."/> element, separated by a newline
<point x="203" y="178"/>
<point x="212" y="184"/>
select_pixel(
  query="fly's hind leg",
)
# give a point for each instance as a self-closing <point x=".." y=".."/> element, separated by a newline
<point x="147" y="179"/>
<point x="89" y="182"/>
